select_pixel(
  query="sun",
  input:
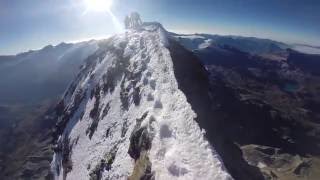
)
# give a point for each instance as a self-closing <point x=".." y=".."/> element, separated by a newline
<point x="102" y="6"/>
<point x="98" y="5"/>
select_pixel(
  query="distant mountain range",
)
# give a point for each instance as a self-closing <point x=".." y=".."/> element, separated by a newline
<point x="36" y="75"/>
<point x="29" y="77"/>
<point x="123" y="106"/>
<point x="308" y="49"/>
<point x="250" y="45"/>
<point x="246" y="44"/>
<point x="31" y="85"/>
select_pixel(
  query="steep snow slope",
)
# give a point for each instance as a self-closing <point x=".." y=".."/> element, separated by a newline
<point x="125" y="117"/>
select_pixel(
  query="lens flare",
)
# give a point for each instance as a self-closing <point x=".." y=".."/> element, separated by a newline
<point x="103" y="6"/>
<point x="98" y="5"/>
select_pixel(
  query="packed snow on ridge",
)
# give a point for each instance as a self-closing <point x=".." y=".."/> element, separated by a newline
<point x="124" y="117"/>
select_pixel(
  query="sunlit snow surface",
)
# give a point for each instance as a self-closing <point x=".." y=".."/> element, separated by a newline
<point x="179" y="150"/>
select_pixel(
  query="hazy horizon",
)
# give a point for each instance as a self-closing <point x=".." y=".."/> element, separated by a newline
<point x="33" y="24"/>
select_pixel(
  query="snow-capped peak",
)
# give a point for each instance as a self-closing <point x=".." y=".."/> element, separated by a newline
<point x="124" y="116"/>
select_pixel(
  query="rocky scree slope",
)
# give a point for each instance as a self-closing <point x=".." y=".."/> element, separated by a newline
<point x="125" y="116"/>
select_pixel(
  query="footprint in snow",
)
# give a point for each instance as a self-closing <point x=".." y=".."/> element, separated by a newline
<point x="149" y="74"/>
<point x="145" y="81"/>
<point x="158" y="104"/>
<point x="150" y="97"/>
<point x="153" y="84"/>
<point x="165" y="131"/>
<point x="177" y="171"/>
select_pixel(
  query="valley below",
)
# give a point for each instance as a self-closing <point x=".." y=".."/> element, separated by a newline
<point x="268" y="108"/>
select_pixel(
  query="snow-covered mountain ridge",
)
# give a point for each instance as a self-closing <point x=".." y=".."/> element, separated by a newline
<point x="124" y="116"/>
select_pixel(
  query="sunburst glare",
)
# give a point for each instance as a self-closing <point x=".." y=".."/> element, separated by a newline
<point x="103" y="6"/>
<point x="98" y="5"/>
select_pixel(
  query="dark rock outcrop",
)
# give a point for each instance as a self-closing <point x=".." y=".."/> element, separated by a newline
<point x="140" y="144"/>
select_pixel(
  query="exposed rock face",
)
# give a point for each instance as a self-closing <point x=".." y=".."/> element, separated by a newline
<point x="125" y="116"/>
<point x="140" y="139"/>
<point x="132" y="21"/>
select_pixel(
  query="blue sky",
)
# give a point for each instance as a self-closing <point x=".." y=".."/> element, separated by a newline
<point x="32" y="24"/>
